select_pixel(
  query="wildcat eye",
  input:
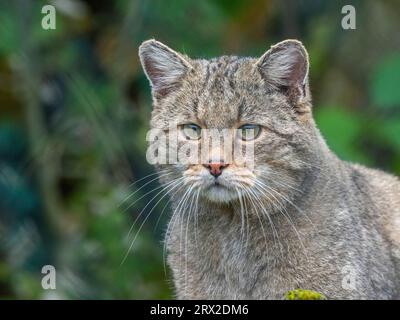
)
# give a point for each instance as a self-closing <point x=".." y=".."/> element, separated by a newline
<point x="248" y="132"/>
<point x="191" y="131"/>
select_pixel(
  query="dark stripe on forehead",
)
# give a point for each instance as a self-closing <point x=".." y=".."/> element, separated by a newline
<point x="219" y="80"/>
<point x="232" y="67"/>
<point x="203" y="87"/>
<point x="207" y="73"/>
<point x="218" y="68"/>
<point x="196" y="106"/>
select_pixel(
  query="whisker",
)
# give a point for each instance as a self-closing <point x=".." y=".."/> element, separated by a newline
<point x="242" y="219"/>
<point x="144" y="195"/>
<point x="165" y="206"/>
<point x="186" y="237"/>
<point x="137" y="190"/>
<point x="142" y="224"/>
<point x="273" y="228"/>
<point x="290" y="202"/>
<point x="182" y="249"/>
<point x="247" y="222"/>
<point x="147" y="176"/>
<point x="173" y="183"/>
<point x="247" y="193"/>
<point x="171" y="225"/>
<point x="282" y="210"/>
<point x="196" y="218"/>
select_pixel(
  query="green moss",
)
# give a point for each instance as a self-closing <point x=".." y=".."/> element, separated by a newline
<point x="300" y="294"/>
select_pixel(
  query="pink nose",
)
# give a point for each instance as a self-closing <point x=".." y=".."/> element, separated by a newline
<point x="216" y="168"/>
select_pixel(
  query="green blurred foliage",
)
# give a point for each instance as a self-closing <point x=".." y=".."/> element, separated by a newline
<point x="334" y="119"/>
<point x="74" y="111"/>
<point x="385" y="83"/>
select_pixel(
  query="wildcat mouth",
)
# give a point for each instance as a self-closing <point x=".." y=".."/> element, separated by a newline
<point x="216" y="186"/>
<point x="218" y="192"/>
<point x="219" y="186"/>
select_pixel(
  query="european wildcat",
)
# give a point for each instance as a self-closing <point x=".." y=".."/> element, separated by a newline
<point x="300" y="218"/>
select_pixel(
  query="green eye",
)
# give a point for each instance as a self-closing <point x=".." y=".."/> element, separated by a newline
<point x="191" y="131"/>
<point x="248" y="132"/>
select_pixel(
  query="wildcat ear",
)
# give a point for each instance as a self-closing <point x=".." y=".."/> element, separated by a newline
<point x="164" y="67"/>
<point x="285" y="66"/>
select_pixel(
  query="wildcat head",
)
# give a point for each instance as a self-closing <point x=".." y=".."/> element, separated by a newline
<point x="263" y="102"/>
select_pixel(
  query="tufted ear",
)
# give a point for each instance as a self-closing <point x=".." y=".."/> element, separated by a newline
<point x="164" y="67"/>
<point x="285" y="66"/>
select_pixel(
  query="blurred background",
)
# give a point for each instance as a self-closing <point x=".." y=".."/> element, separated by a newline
<point x="74" y="110"/>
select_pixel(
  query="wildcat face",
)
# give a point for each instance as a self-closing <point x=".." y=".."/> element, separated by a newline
<point x="266" y="97"/>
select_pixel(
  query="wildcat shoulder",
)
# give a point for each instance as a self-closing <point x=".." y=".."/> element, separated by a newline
<point x="384" y="190"/>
